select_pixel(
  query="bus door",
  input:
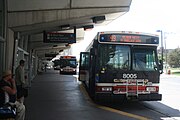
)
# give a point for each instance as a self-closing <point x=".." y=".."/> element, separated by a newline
<point x="84" y="67"/>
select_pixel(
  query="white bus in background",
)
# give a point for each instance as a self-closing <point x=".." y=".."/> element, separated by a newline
<point x="68" y="65"/>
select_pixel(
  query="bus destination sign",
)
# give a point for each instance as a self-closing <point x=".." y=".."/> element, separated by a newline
<point x="129" y="38"/>
<point x="57" y="37"/>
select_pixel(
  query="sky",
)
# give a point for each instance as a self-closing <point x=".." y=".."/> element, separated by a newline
<point x="149" y="16"/>
<point x="145" y="16"/>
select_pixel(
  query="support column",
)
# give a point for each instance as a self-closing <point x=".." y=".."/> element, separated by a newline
<point x="2" y="53"/>
<point x="3" y="25"/>
<point x="15" y="60"/>
<point x="9" y="49"/>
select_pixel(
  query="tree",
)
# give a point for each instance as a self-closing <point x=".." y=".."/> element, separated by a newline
<point x="174" y="58"/>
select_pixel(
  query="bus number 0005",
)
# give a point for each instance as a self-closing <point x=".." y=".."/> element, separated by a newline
<point x="127" y="76"/>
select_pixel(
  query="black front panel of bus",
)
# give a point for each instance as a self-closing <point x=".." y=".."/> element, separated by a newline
<point x="115" y="62"/>
<point x="116" y="76"/>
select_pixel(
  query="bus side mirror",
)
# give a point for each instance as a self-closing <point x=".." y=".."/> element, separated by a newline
<point x="161" y="66"/>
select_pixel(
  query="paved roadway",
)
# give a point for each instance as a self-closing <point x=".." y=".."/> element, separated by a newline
<point x="62" y="97"/>
<point x="167" y="109"/>
<point x="170" y="88"/>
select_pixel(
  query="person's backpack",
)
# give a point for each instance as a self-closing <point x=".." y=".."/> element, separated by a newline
<point x="7" y="111"/>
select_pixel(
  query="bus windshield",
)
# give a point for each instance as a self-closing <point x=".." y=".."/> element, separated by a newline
<point x="114" y="56"/>
<point x="68" y="62"/>
<point x="144" y="59"/>
<point x="125" y="57"/>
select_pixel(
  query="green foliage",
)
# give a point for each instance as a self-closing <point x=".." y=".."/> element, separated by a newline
<point x="174" y="58"/>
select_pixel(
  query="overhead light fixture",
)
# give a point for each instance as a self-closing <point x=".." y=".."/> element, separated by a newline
<point x="98" y="19"/>
<point x="68" y="45"/>
<point x="50" y="55"/>
<point x="65" y="27"/>
<point x="55" y="45"/>
<point x="60" y="50"/>
<point x="88" y="27"/>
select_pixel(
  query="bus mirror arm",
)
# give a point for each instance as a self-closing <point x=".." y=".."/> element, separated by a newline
<point x="161" y="66"/>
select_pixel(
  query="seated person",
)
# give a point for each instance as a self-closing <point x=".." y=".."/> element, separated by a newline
<point x="7" y="91"/>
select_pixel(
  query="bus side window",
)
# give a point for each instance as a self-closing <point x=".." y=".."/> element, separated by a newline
<point x="84" y="63"/>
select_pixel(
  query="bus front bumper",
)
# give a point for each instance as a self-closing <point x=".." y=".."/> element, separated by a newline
<point x="150" y="97"/>
<point x="140" y="97"/>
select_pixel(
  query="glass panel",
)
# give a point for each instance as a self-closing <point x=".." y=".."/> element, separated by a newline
<point x="84" y="66"/>
<point x="68" y="62"/>
<point x="84" y="61"/>
<point x="114" y="57"/>
<point x="144" y="60"/>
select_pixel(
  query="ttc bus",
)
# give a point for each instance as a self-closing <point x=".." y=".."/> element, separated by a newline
<point x="68" y="64"/>
<point x="120" y="66"/>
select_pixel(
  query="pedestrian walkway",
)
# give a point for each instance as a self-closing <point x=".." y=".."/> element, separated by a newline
<point x="59" y="97"/>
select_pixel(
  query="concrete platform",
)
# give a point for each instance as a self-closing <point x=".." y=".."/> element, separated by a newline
<point x="58" y="97"/>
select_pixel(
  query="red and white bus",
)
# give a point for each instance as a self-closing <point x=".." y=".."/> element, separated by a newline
<point x="68" y="65"/>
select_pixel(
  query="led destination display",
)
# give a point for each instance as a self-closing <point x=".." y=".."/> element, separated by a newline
<point x="123" y="38"/>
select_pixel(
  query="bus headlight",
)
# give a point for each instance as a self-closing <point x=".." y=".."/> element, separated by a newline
<point x="151" y="89"/>
<point x="106" y="89"/>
